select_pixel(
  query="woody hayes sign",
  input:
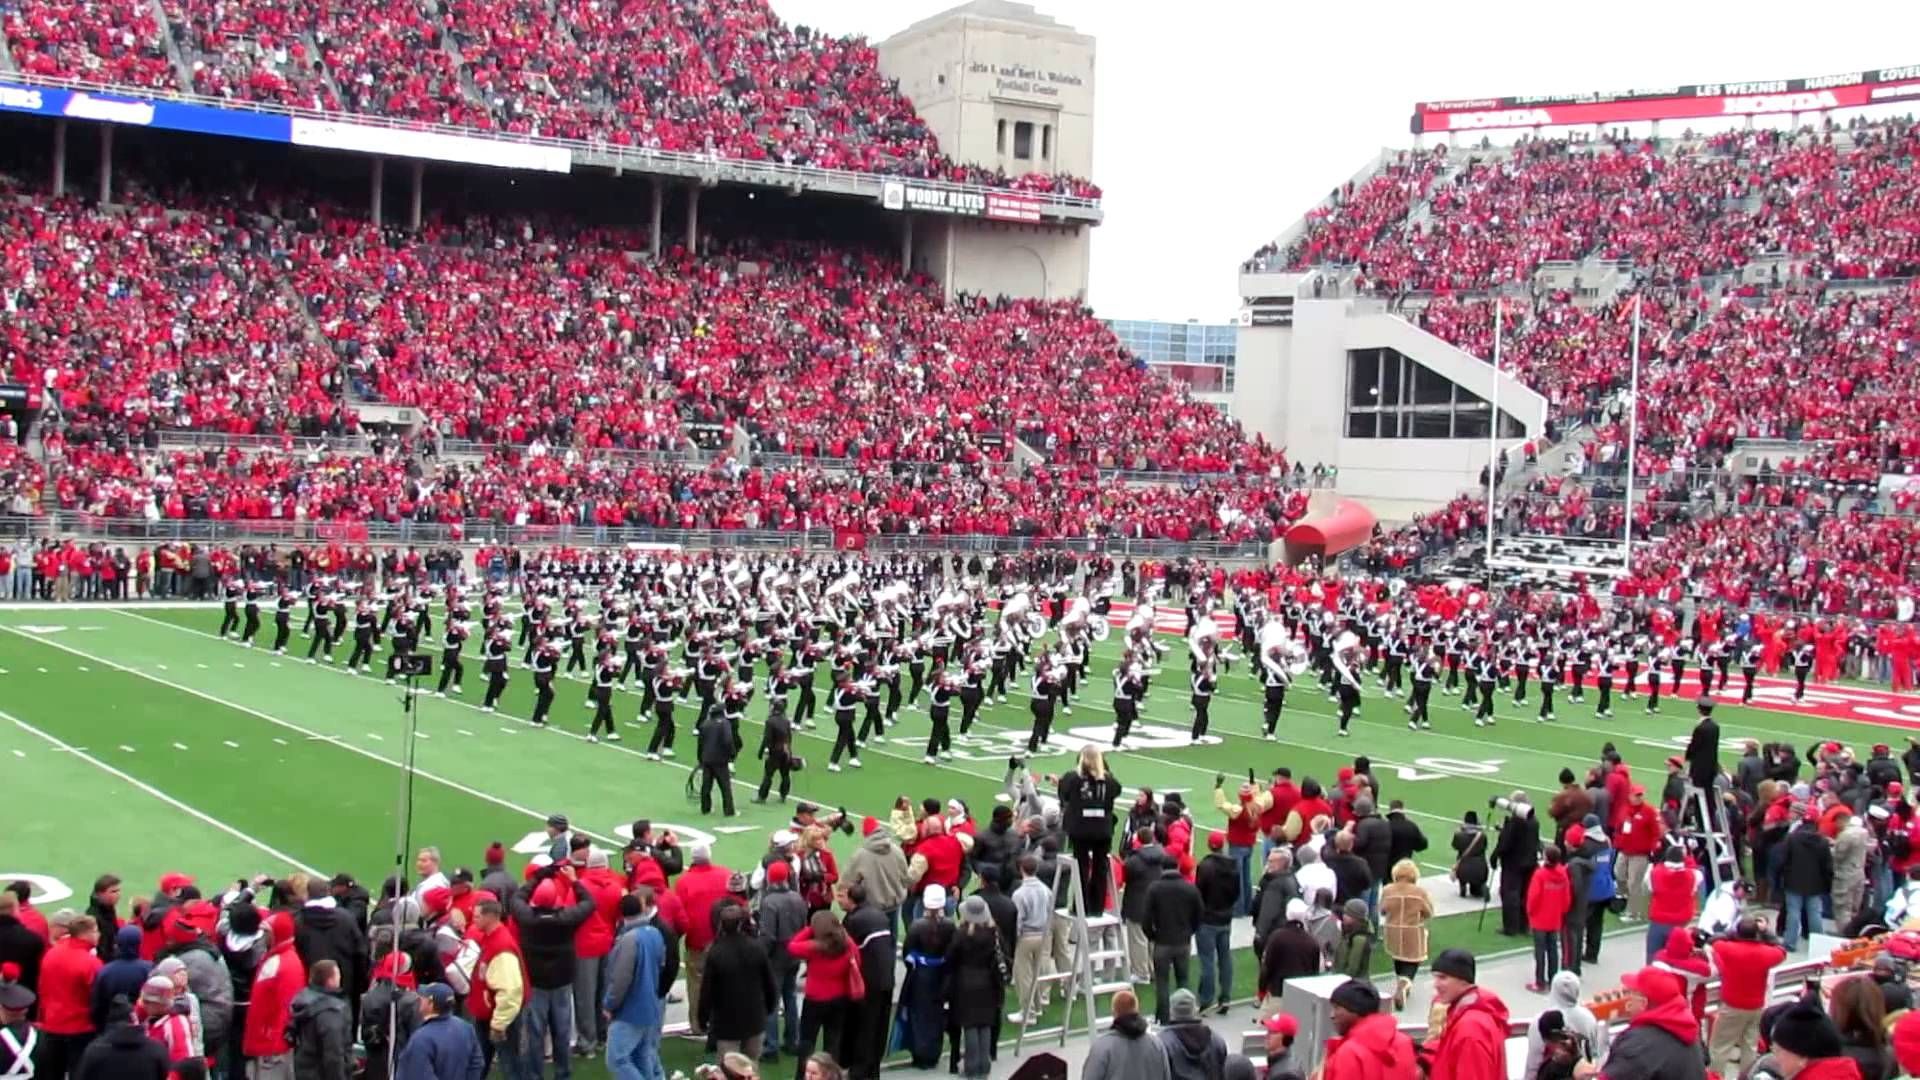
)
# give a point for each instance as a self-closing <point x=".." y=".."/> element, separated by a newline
<point x="996" y="206"/>
<point x="1848" y="90"/>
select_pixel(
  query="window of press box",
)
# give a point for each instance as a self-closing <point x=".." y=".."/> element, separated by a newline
<point x="1023" y="140"/>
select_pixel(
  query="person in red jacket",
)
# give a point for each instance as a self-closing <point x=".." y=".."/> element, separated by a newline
<point x="66" y="997"/>
<point x="1636" y="837"/>
<point x="279" y="978"/>
<point x="832" y="961"/>
<point x="1283" y="796"/>
<point x="1369" y="1045"/>
<point x="591" y="944"/>
<point x="699" y="888"/>
<point x="1549" y="897"/>
<point x="1673" y="888"/>
<point x="1473" y="1042"/>
<point x="1745" y="961"/>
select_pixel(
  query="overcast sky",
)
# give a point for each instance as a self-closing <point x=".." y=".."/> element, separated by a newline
<point x="1218" y="122"/>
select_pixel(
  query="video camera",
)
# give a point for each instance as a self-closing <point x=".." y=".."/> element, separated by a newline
<point x="1499" y="802"/>
<point x="413" y="665"/>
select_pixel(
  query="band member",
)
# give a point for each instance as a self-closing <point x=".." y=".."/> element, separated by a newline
<point x="1202" y="679"/>
<point x="1048" y="674"/>
<point x="776" y="745"/>
<point x="452" y="672"/>
<point x="946" y="686"/>
<point x="844" y="700"/>
<point x="252" y="612"/>
<point x="1345" y="660"/>
<point x="604" y="677"/>
<point x="1486" y="676"/>
<point x="1802" y="660"/>
<point x="494" y="666"/>
<point x="1129" y="686"/>
<point x="1749" y="667"/>
<point x="665" y="686"/>
<point x="323" y="629"/>
<point x="1659" y="657"/>
<point x="283" y="620"/>
<point x="546" y="661"/>
<point x="805" y="657"/>
<point x="1553" y="662"/>
<point x="973" y="688"/>
<point x="230" y="593"/>
<point x="1276" y="674"/>
<point x="1425" y="667"/>
<point x="366" y="626"/>
<point x="1607" y="659"/>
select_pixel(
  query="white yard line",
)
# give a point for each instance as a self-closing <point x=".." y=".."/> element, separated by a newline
<point x="142" y="785"/>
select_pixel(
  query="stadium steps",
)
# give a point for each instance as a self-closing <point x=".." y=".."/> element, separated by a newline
<point x="6" y="53"/>
<point x="312" y="45"/>
<point x="182" y="72"/>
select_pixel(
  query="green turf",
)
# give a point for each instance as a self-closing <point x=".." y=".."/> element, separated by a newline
<point x="307" y="761"/>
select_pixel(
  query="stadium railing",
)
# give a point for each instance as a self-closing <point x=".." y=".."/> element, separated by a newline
<point x="66" y="523"/>
<point x="596" y="152"/>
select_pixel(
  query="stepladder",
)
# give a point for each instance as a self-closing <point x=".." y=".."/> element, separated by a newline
<point x="1096" y="964"/>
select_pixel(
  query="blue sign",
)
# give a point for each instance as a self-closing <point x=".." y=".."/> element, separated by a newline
<point x="144" y="112"/>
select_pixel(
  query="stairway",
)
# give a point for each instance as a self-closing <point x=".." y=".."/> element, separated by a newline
<point x="182" y="73"/>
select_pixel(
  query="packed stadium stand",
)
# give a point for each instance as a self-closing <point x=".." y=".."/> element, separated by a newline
<point x="728" y="78"/>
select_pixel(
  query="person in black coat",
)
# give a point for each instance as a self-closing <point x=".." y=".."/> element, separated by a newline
<point x="976" y="985"/>
<point x="1515" y="855"/>
<point x="1087" y="796"/>
<point x="322" y="930"/>
<point x="1703" y="750"/>
<point x="739" y="989"/>
<point x="994" y="848"/>
<point x="19" y="944"/>
<point x="1139" y="872"/>
<point x="1172" y="917"/>
<point x="1408" y="840"/>
<point x="864" y="1044"/>
<point x="123" y="1051"/>
<point x="1470" y="857"/>
<point x="1806" y="875"/>
<point x="719" y="745"/>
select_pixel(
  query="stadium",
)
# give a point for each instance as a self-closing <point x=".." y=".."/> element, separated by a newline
<point x="616" y="539"/>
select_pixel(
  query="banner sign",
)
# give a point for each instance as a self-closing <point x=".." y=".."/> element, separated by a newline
<point x="993" y="205"/>
<point x="431" y="145"/>
<point x="1848" y="90"/>
<point x="140" y="112"/>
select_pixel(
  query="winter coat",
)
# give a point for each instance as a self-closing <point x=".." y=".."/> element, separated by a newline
<point x="1086" y="805"/>
<point x="1808" y="869"/>
<point x="1372" y="1049"/>
<point x="1127" y="1051"/>
<point x="1408" y="840"/>
<point x="1373" y="842"/>
<point x="279" y="980"/>
<point x="882" y="868"/>
<point x="873" y="931"/>
<point x="1139" y="872"/>
<point x="994" y="855"/>
<point x="443" y="1048"/>
<point x="1270" y="905"/>
<point x="1549" y="897"/>
<point x="20" y="945"/>
<point x="1173" y="910"/>
<point x="1662" y="1043"/>
<point x="1290" y="953"/>
<point x="782" y="915"/>
<point x="1404" y="912"/>
<point x="124" y="1053"/>
<point x="547" y="935"/>
<point x="739" y="989"/>
<point x="1518" y="848"/>
<point x="976" y="979"/>
<point x="1470" y="856"/>
<point x="123" y="976"/>
<point x="325" y="932"/>
<point x="210" y="982"/>
<point x="1218" y="881"/>
<point x="322" y="1036"/>
<point x="1850" y="859"/>
<point x="1473" y="1042"/>
<point x="1194" y="1052"/>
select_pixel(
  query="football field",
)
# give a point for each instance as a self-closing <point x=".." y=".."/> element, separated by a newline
<point x="134" y="741"/>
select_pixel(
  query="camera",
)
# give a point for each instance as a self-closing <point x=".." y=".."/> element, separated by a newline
<point x="413" y="666"/>
<point x="1499" y="802"/>
<point x="842" y="822"/>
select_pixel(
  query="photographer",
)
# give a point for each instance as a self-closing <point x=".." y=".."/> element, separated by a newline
<point x="1745" y="960"/>
<point x="1515" y="855"/>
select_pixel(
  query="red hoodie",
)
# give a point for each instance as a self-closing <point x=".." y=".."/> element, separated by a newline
<point x="1639" y="831"/>
<point x="1833" y="1068"/>
<point x="1549" y="896"/>
<point x="1372" y="1049"/>
<point x="1619" y="785"/>
<point x="1473" y="1044"/>
<point x="1673" y="1016"/>
<point x="699" y="889"/>
<point x="1674" y="893"/>
<point x="1745" y="968"/>
<point x="594" y="939"/>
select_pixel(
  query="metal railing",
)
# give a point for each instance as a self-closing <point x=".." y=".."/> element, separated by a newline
<point x="66" y="523"/>
<point x="598" y="152"/>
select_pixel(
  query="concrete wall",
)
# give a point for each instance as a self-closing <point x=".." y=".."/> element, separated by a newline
<point x="972" y="67"/>
<point x="1290" y="385"/>
<point x="970" y="255"/>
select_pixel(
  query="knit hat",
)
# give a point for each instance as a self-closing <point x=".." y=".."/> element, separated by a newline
<point x="1357" y="997"/>
<point x="1654" y="984"/>
<point x="280" y="924"/>
<point x="1591" y="821"/>
<point x="547" y="894"/>
<point x="1355" y="908"/>
<point x="869" y="825"/>
<point x="158" y="987"/>
<point x="1808" y="1031"/>
<point x="1458" y="963"/>
<point x="778" y="872"/>
<point x="1216" y="840"/>
<point x="974" y="910"/>
<point x="934" y="898"/>
<point x="1184" y="1006"/>
<point x="496" y="853"/>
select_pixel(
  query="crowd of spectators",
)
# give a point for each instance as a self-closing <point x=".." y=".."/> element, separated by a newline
<point x="729" y="78"/>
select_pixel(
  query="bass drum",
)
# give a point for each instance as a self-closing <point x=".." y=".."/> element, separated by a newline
<point x="1034" y="624"/>
<point x="1099" y="628"/>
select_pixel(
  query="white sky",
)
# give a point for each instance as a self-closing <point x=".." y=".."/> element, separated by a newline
<point x="1218" y="122"/>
